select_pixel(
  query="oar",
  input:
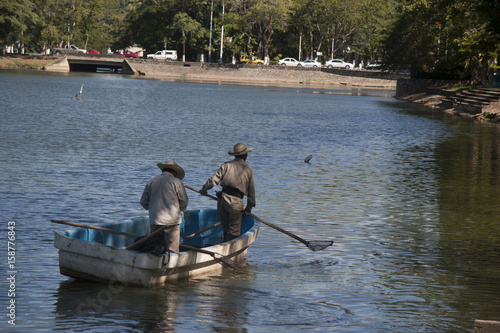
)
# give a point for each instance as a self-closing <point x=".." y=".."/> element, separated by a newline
<point x="195" y="190"/>
<point x="142" y="240"/>
<point x="222" y="259"/>
<point x="312" y="245"/>
<point x="203" y="230"/>
<point x="93" y="227"/>
<point x="156" y="232"/>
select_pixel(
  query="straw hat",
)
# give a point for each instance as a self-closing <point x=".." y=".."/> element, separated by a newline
<point x="173" y="166"/>
<point x="240" y="149"/>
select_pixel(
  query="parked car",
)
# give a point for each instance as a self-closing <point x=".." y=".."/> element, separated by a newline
<point x="288" y="62"/>
<point x="312" y="63"/>
<point x="163" y="55"/>
<point x="337" y="63"/>
<point x="93" y="51"/>
<point x="72" y="49"/>
<point x="129" y="54"/>
<point x="245" y="59"/>
<point x="374" y="66"/>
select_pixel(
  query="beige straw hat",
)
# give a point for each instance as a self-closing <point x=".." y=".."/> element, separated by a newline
<point x="240" y="149"/>
<point x="173" y="166"/>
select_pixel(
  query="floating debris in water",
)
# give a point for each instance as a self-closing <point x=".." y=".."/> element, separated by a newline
<point x="308" y="158"/>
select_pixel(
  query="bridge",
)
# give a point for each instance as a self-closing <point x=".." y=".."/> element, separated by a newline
<point x="95" y="63"/>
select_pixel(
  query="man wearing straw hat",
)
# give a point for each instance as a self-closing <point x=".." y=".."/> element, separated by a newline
<point x="165" y="197"/>
<point x="237" y="180"/>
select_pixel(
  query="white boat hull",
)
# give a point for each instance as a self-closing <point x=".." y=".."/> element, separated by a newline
<point x="90" y="260"/>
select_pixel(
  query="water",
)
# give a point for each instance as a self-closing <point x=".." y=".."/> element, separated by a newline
<point x="408" y="196"/>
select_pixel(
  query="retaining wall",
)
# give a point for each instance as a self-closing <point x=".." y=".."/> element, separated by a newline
<point x="252" y="74"/>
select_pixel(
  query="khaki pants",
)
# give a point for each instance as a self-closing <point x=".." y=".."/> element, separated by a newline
<point x="170" y="237"/>
<point x="230" y="220"/>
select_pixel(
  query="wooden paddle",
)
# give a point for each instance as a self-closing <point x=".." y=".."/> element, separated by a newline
<point x="222" y="259"/>
<point x="92" y="227"/>
<point x="312" y="245"/>
<point x="203" y="230"/>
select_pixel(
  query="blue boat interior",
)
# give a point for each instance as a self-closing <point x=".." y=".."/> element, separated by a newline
<point x="192" y="222"/>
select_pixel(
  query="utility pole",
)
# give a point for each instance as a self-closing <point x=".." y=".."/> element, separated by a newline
<point x="210" y="40"/>
<point x="300" y="45"/>
<point x="222" y="34"/>
<point x="333" y="46"/>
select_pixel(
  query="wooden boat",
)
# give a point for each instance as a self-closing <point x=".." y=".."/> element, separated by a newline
<point x="101" y="256"/>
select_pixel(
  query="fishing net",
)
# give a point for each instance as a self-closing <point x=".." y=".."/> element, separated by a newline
<point x="318" y="245"/>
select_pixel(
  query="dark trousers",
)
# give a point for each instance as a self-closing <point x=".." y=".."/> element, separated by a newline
<point x="170" y="237"/>
<point x="230" y="220"/>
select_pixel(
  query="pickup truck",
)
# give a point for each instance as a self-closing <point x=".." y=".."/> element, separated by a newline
<point x="244" y="59"/>
<point x="164" y="55"/>
<point x="64" y="50"/>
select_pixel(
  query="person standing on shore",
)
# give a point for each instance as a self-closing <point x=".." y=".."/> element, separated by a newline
<point x="165" y="198"/>
<point x="236" y="178"/>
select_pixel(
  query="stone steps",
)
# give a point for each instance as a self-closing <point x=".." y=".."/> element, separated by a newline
<point x="472" y="101"/>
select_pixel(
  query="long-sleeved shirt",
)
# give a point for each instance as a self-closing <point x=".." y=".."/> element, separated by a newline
<point x="238" y="174"/>
<point x="165" y="197"/>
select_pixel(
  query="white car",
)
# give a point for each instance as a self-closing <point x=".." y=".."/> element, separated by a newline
<point x="312" y="63"/>
<point x="288" y="62"/>
<point x="374" y="66"/>
<point x="337" y="63"/>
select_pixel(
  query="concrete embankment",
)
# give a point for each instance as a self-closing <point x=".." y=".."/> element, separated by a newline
<point x="251" y="75"/>
<point x="226" y="73"/>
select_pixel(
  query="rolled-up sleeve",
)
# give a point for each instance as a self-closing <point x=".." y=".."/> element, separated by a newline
<point x="183" y="198"/>
<point x="145" y="197"/>
<point x="251" y="190"/>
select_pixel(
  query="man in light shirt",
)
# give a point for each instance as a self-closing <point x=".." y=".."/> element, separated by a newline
<point x="236" y="178"/>
<point x="165" y="197"/>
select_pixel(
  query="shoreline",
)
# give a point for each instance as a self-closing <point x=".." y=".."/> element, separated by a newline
<point x="222" y="74"/>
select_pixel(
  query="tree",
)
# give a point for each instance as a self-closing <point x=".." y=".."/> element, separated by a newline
<point x="446" y="39"/>
<point x="15" y="17"/>
<point x="185" y="24"/>
<point x="259" y="19"/>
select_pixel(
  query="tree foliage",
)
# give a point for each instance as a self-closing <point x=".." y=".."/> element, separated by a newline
<point x="452" y="38"/>
<point x="445" y="39"/>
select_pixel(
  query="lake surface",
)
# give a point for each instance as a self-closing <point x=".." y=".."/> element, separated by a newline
<point x="409" y="196"/>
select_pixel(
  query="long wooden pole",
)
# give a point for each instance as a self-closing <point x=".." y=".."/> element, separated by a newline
<point x="312" y="245"/>
<point x="93" y="227"/>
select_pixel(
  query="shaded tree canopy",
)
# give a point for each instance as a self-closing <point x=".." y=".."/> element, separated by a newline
<point x="445" y="39"/>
